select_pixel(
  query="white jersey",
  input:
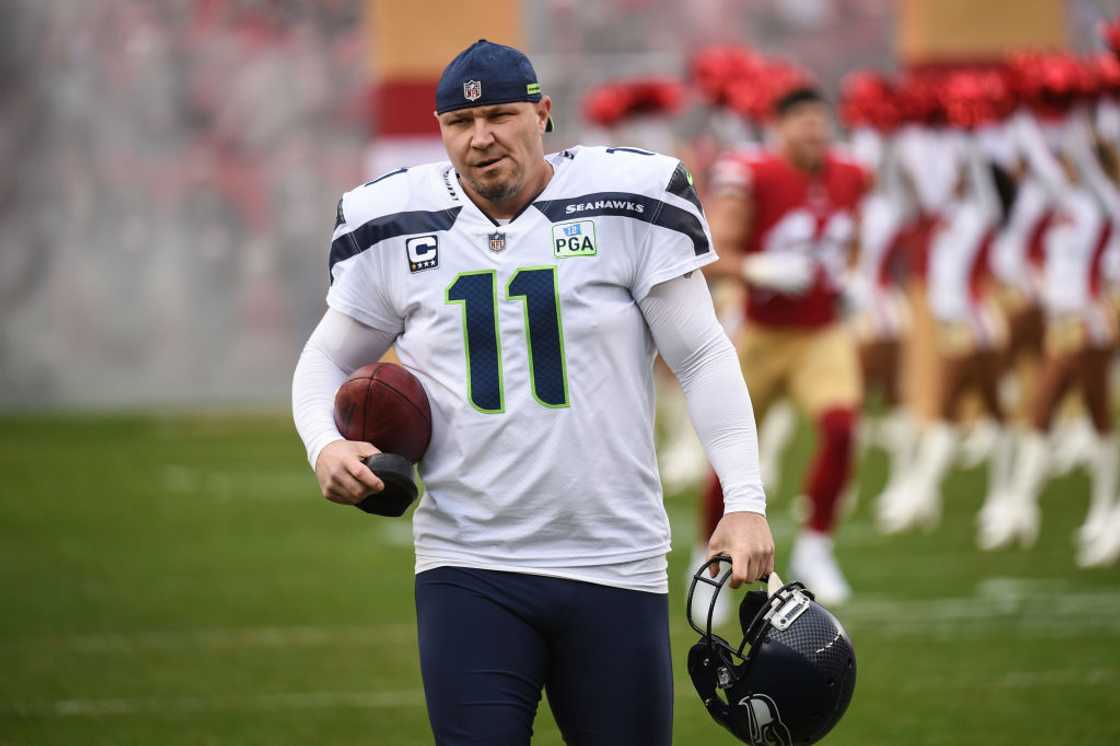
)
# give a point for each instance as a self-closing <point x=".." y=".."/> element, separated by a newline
<point x="529" y="341"/>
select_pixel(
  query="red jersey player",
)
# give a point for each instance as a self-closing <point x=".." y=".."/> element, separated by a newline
<point x="784" y="221"/>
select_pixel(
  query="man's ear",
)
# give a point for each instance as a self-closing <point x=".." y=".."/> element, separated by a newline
<point x="544" y="110"/>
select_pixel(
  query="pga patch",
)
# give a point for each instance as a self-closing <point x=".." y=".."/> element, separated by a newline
<point x="574" y="239"/>
<point x="423" y="253"/>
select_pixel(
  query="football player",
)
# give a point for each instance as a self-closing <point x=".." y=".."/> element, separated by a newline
<point x="529" y="293"/>
<point x="784" y="220"/>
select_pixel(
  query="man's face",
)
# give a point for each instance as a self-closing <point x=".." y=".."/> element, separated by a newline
<point x="494" y="147"/>
<point x="805" y="132"/>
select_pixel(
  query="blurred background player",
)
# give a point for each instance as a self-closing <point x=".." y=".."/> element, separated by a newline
<point x="784" y="219"/>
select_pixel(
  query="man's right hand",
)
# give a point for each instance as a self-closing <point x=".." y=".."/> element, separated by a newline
<point x="343" y="478"/>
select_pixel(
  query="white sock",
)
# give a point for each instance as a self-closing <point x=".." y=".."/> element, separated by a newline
<point x="773" y="436"/>
<point x="1000" y="467"/>
<point x="1103" y="465"/>
<point x="1031" y="463"/>
<point x="935" y="455"/>
<point x="899" y="436"/>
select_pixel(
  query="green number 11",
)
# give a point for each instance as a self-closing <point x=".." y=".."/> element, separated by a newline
<point x="536" y="288"/>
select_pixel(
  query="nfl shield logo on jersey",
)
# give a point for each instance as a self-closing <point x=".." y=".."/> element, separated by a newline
<point x="472" y="90"/>
<point x="497" y="242"/>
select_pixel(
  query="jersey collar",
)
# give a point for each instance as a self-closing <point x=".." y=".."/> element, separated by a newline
<point x="558" y="161"/>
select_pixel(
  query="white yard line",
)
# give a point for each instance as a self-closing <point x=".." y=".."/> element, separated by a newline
<point x="1030" y="606"/>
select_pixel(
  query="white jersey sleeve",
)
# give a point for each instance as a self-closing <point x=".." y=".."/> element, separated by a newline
<point x="679" y="240"/>
<point x="689" y="337"/>
<point x="367" y="215"/>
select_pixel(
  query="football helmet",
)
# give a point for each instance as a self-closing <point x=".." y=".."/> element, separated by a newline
<point x="790" y="679"/>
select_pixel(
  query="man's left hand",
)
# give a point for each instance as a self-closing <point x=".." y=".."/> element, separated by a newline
<point x="745" y="537"/>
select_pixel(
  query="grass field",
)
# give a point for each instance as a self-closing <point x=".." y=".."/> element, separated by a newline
<point x="178" y="581"/>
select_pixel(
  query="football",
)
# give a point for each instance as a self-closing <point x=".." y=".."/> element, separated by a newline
<point x="385" y="405"/>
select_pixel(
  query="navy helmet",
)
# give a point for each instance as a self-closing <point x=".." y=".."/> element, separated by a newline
<point x="790" y="679"/>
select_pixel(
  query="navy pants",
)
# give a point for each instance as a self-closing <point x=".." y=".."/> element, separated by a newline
<point x="490" y="641"/>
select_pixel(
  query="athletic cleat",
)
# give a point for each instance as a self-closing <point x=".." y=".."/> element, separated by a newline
<point x="1104" y="548"/>
<point x="1004" y="521"/>
<point x="1093" y="527"/>
<point x="1072" y="445"/>
<point x="1104" y="464"/>
<point x="813" y="562"/>
<point x="979" y="444"/>
<point x="906" y="508"/>
<point x="916" y="501"/>
<point x="1010" y="515"/>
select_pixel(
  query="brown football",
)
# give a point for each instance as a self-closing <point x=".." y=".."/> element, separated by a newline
<point x="384" y="404"/>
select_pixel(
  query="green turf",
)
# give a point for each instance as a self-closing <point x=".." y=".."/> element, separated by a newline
<point x="178" y="581"/>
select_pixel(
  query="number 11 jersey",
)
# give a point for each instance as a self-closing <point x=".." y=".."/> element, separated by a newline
<point x="533" y="351"/>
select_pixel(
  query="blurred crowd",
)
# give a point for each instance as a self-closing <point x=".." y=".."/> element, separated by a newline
<point x="177" y="166"/>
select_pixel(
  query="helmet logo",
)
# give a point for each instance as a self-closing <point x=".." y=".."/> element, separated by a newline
<point x="765" y="726"/>
<point x="472" y="90"/>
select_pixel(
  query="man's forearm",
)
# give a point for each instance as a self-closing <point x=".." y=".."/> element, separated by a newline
<point x="338" y="346"/>
<point x="690" y="339"/>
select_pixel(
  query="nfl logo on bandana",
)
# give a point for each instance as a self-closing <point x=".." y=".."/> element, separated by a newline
<point x="497" y="242"/>
<point x="472" y="90"/>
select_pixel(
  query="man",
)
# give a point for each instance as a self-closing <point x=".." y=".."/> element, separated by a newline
<point x="784" y="222"/>
<point x="529" y="294"/>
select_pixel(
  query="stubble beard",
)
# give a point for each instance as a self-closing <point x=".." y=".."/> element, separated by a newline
<point x="498" y="191"/>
